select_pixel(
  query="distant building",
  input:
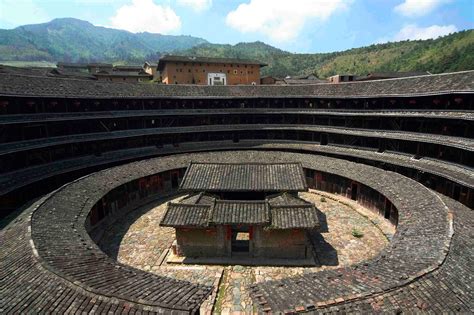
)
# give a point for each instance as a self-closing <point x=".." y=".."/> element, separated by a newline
<point x="292" y="80"/>
<point x="209" y="71"/>
<point x="71" y="73"/>
<point x="124" y="73"/>
<point x="243" y="209"/>
<point x="303" y="79"/>
<point x="124" y="76"/>
<point x="268" y="80"/>
<point x="151" y="68"/>
<point x="98" y="67"/>
<point x="338" y="78"/>
<point x="129" y="68"/>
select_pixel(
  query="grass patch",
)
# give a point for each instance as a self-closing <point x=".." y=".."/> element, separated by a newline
<point x="357" y="233"/>
<point x="221" y="293"/>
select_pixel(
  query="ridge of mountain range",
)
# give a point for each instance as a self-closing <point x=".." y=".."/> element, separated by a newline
<point x="74" y="40"/>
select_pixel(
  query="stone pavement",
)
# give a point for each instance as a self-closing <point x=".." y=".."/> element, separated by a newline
<point x="136" y="239"/>
<point x="139" y="241"/>
<point x="233" y="294"/>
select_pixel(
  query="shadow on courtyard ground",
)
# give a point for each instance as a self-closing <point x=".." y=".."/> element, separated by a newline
<point x="326" y="254"/>
<point x="110" y="242"/>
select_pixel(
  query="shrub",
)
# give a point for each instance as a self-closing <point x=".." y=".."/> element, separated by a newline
<point x="323" y="199"/>
<point x="357" y="233"/>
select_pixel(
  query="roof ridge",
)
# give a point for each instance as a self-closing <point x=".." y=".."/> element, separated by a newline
<point x="293" y="206"/>
<point x="239" y="201"/>
<point x="246" y="163"/>
<point x="189" y="205"/>
<point x="210" y="213"/>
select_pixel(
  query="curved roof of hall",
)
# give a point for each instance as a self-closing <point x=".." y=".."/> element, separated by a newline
<point x="37" y="86"/>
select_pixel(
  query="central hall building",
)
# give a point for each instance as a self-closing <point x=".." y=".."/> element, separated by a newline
<point x="248" y="210"/>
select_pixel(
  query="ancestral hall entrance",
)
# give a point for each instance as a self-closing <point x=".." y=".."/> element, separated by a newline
<point x="242" y="209"/>
<point x="240" y="241"/>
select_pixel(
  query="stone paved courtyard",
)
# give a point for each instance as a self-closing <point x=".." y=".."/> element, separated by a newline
<point x="137" y="240"/>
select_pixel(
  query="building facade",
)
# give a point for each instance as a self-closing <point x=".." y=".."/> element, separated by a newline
<point x="209" y="71"/>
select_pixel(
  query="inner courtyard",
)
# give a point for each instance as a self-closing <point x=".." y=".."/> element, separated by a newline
<point x="349" y="234"/>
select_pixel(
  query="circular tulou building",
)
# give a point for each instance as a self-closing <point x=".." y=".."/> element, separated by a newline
<point x="77" y="157"/>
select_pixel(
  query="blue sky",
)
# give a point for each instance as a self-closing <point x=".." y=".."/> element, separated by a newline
<point x="293" y="25"/>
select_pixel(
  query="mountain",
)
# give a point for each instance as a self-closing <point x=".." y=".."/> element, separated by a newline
<point x="454" y="52"/>
<point x="79" y="41"/>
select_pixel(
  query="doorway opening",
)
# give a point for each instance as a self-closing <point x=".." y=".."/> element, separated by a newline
<point x="174" y="180"/>
<point x="354" y="188"/>
<point x="324" y="139"/>
<point x="388" y="206"/>
<point x="240" y="240"/>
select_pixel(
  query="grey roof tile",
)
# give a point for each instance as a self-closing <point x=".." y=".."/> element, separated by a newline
<point x="181" y="214"/>
<point x="294" y="217"/>
<point x="279" y="212"/>
<point x="244" y="177"/>
<point x="240" y="212"/>
<point x="23" y="85"/>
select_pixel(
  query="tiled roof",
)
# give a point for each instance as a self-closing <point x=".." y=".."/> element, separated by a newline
<point x="123" y="74"/>
<point x="389" y="75"/>
<point x="244" y="177"/>
<point x="277" y="212"/>
<point x="151" y="64"/>
<point x="128" y="68"/>
<point x="49" y="261"/>
<point x="240" y="212"/>
<point x="199" y="198"/>
<point x="71" y="65"/>
<point x="285" y="199"/>
<point x="303" y="81"/>
<point x="30" y="85"/>
<point x="180" y="214"/>
<point x="65" y="73"/>
<point x="291" y="212"/>
<point x="294" y="217"/>
<point x="100" y="64"/>
<point x="447" y="170"/>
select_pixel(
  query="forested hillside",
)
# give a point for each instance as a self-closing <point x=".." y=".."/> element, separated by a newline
<point x="80" y="41"/>
<point x="454" y="52"/>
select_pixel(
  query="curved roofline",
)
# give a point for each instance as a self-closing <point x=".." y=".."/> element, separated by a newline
<point x="15" y="85"/>
<point x="340" y="83"/>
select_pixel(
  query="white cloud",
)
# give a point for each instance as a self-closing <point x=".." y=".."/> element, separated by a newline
<point x="416" y="8"/>
<point x="281" y="20"/>
<point x="196" y="5"/>
<point x="14" y="13"/>
<point x="146" y="16"/>
<point x="414" y="32"/>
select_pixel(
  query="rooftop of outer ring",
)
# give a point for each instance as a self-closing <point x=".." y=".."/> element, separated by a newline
<point x="395" y="264"/>
<point x="455" y="142"/>
<point x="454" y="172"/>
<point x="35" y="86"/>
<point x="55" y="117"/>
